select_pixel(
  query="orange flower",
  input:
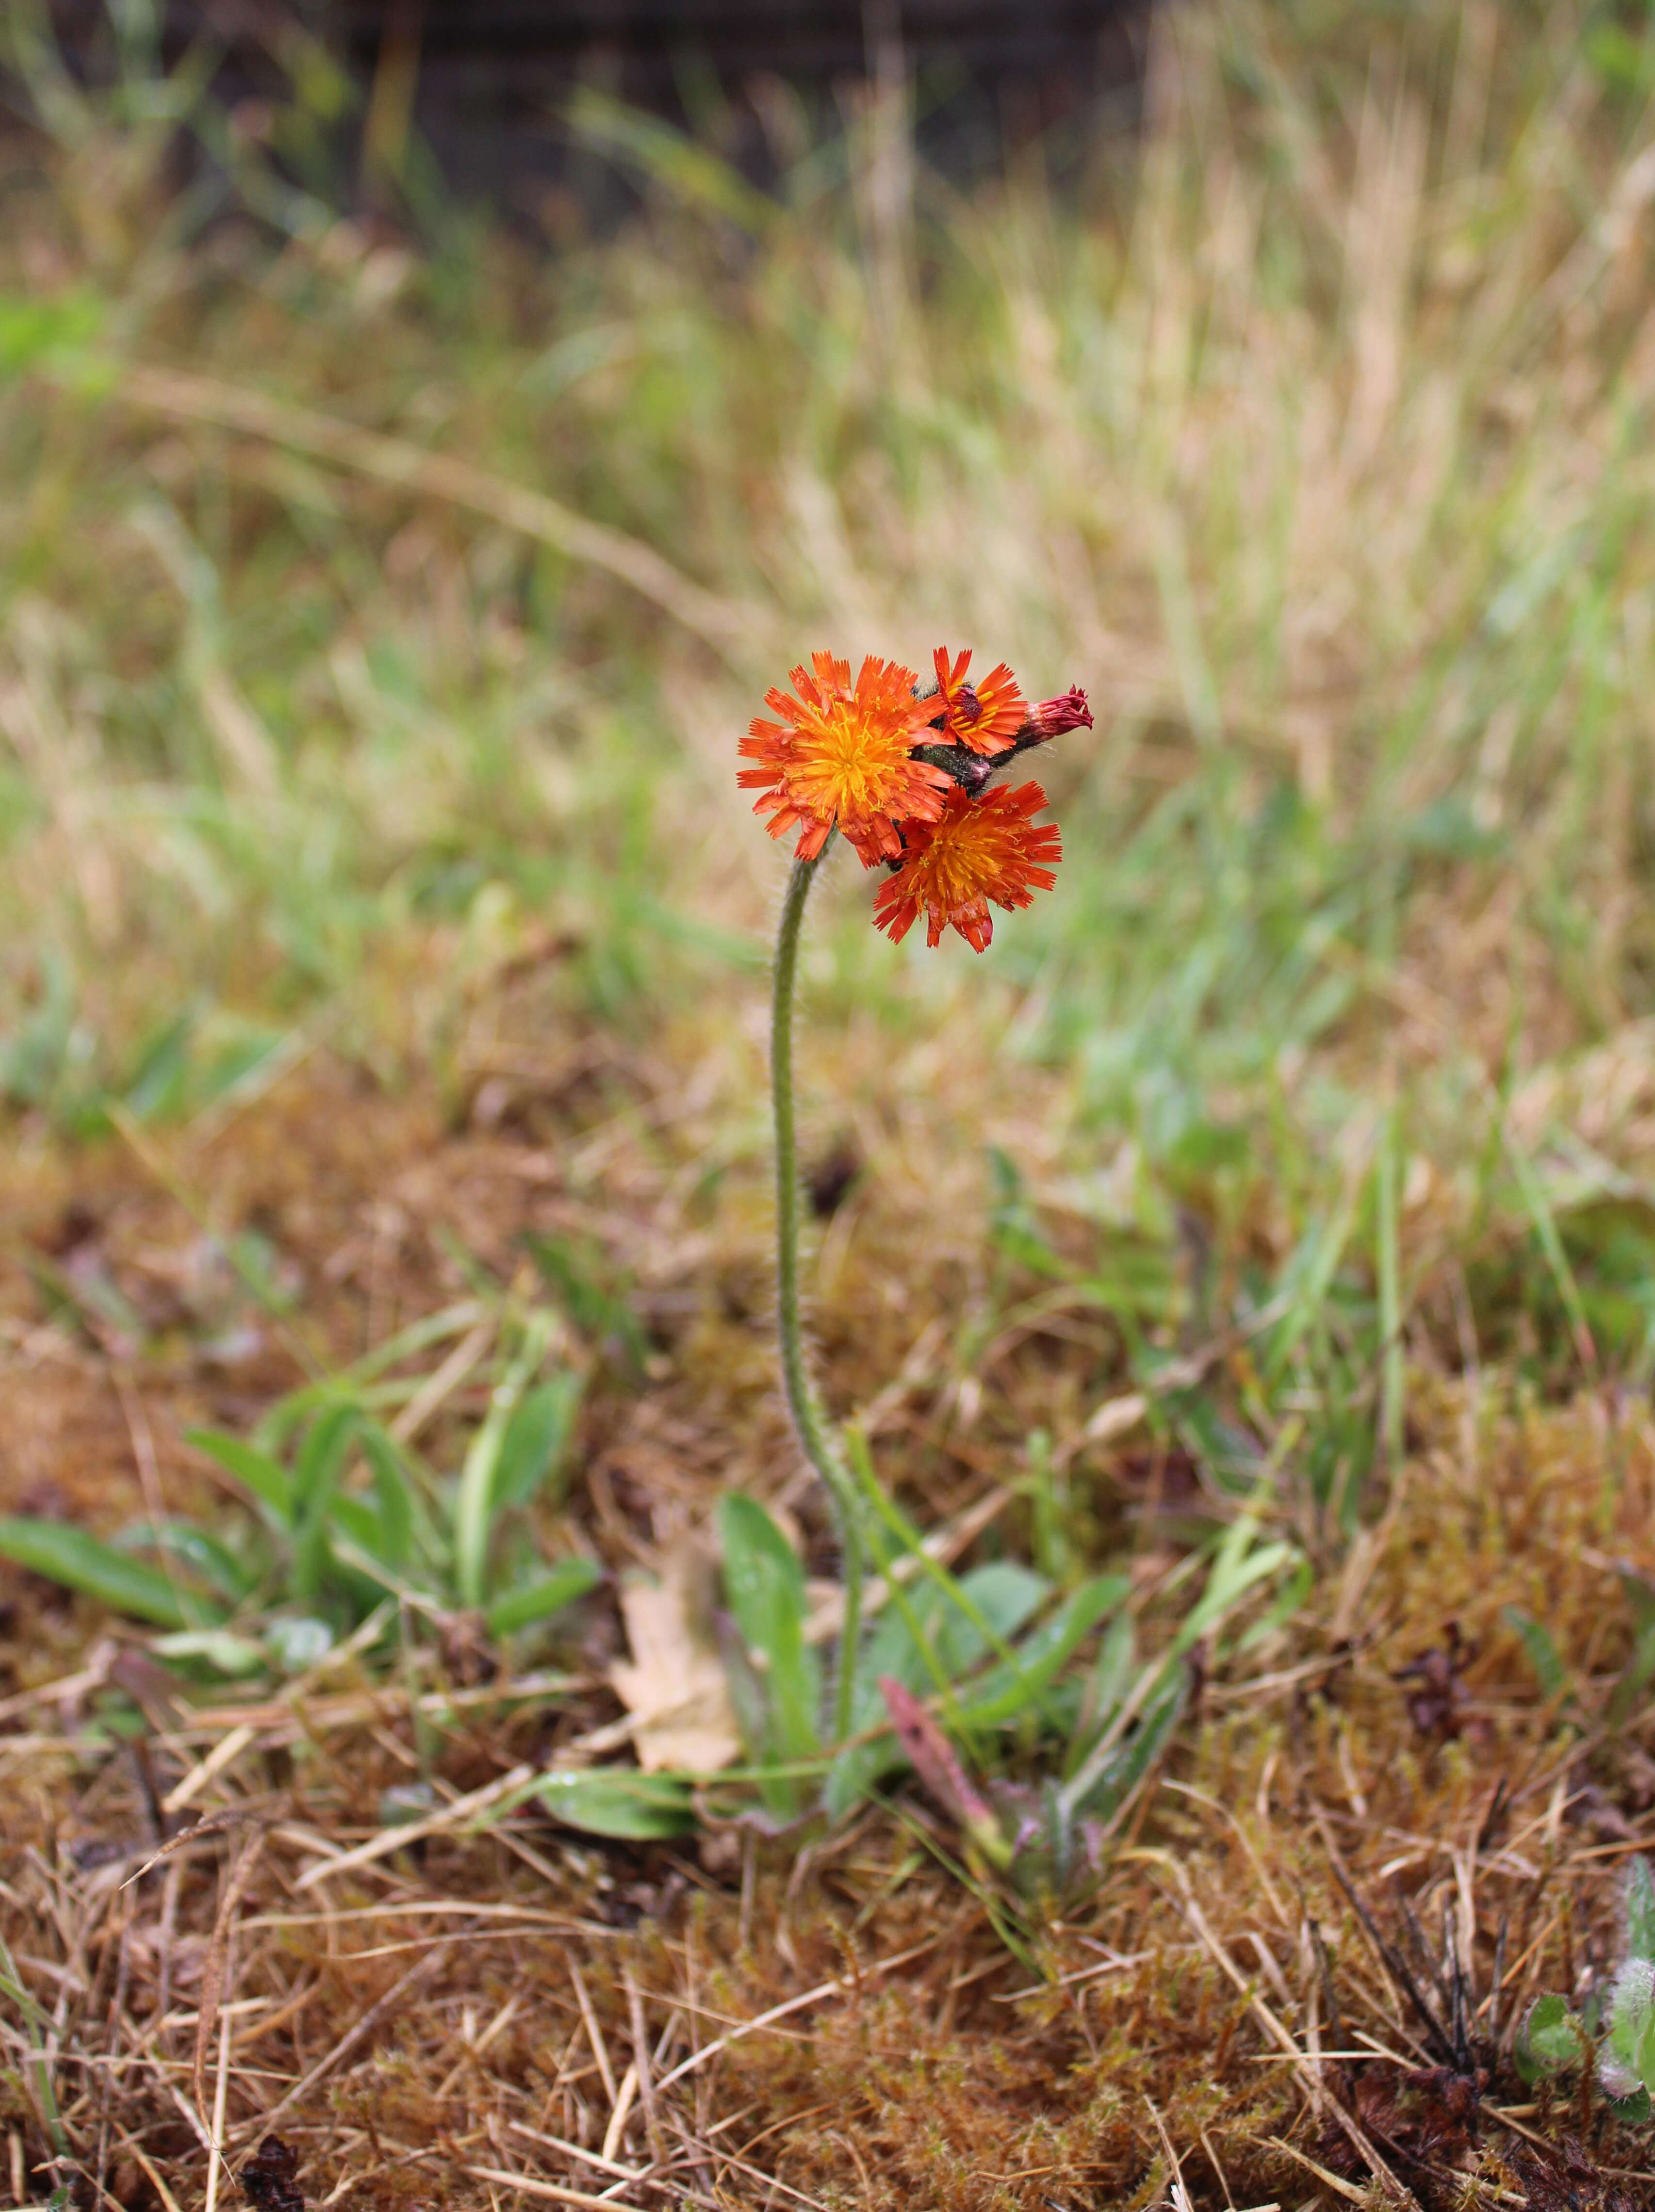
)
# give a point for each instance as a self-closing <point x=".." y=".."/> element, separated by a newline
<point x="983" y="716"/>
<point x="839" y="756"/>
<point x="980" y="849"/>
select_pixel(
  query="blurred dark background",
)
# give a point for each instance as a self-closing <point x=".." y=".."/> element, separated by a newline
<point x="482" y="85"/>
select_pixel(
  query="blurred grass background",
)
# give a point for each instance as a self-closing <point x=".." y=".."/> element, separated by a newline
<point x="1310" y="433"/>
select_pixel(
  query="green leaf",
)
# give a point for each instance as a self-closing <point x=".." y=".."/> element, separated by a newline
<point x="254" y="1470"/>
<point x="1640" y="1911"/>
<point x="1633" y="1680"/>
<point x="1628" y="2045"/>
<point x="1013" y="1224"/>
<point x="935" y="1635"/>
<point x="1303" y="1284"/>
<point x="1543" y="1654"/>
<point x="1552" y="2040"/>
<point x="537" y="1437"/>
<point x="474" y="1504"/>
<point x="1620" y="57"/>
<point x="764" y="1582"/>
<point x="1640" y="1592"/>
<point x="1226" y="1450"/>
<point x="221" y="1648"/>
<point x="1109" y="1771"/>
<point x="1120" y="1775"/>
<point x="1236" y="1566"/>
<point x="81" y="1562"/>
<point x="994" y="1601"/>
<point x="1001" y="1694"/>
<point x="159" y="1083"/>
<point x="207" y="1556"/>
<point x="296" y="1645"/>
<point x="617" y="1800"/>
<point x="887" y="1520"/>
<point x="891" y="1649"/>
<point x="394" y="1534"/>
<point x="315" y="1479"/>
<point x="322" y="1456"/>
<point x="356" y="1523"/>
<point x="1292" y="1594"/>
<point x="1643" y="2053"/>
<point x="1106" y="1688"/>
<point x="476" y="1496"/>
<point x="538" y="1600"/>
<point x="13" y="1987"/>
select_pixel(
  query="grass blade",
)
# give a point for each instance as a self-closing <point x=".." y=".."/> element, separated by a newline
<point x="254" y="1470"/>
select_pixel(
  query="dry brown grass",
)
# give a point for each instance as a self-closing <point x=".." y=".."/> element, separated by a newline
<point x="416" y="2025"/>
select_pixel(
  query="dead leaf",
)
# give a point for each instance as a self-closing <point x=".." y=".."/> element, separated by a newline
<point x="673" y="1684"/>
<point x="267" y="2179"/>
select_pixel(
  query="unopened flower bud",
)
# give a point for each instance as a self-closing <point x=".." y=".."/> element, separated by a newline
<point x="1053" y="716"/>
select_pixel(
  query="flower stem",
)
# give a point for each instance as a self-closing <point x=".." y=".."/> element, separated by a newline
<point x="815" y="1436"/>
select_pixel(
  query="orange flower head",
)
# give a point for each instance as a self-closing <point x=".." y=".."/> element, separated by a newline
<point x="842" y="756"/>
<point x="977" y="850"/>
<point x="985" y="717"/>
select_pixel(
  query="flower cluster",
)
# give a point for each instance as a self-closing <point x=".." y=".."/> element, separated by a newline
<point x="904" y="775"/>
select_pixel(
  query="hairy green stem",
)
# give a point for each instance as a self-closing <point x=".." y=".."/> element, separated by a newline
<point x="815" y="1436"/>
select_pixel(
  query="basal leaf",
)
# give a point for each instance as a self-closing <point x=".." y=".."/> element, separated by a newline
<point x="316" y="1478"/>
<point x="764" y="1582"/>
<point x="393" y="1498"/>
<point x="610" y="1801"/>
<point x="1552" y="2040"/>
<point x="81" y="1562"/>
<point x="537" y="1437"/>
<point x="1640" y="1911"/>
<point x="254" y="1470"/>
<point x="538" y="1600"/>
<point x="1631" y="2027"/>
<point x="207" y="1556"/>
<point x="1001" y="1695"/>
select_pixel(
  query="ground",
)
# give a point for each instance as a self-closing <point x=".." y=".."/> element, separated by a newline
<point x="456" y="2014"/>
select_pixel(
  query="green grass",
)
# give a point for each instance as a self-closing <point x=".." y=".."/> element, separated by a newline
<point x="1310" y="436"/>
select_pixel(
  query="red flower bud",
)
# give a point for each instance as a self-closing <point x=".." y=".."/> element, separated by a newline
<point x="1053" y="716"/>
